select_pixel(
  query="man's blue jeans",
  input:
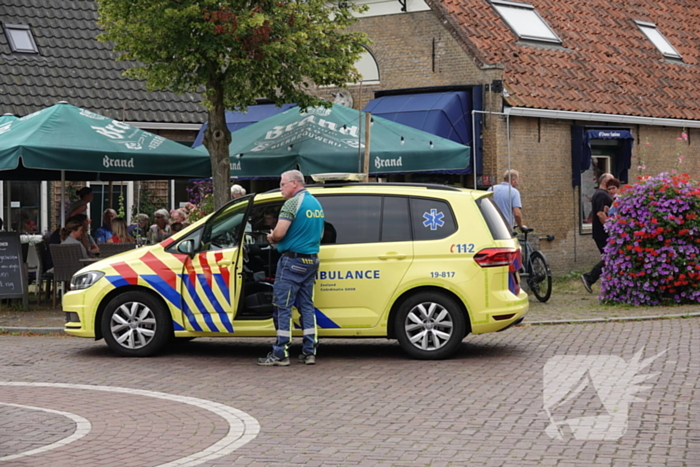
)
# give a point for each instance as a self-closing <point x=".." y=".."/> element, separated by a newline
<point x="294" y="285"/>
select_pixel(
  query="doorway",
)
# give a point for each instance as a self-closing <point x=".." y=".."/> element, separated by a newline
<point x="103" y="200"/>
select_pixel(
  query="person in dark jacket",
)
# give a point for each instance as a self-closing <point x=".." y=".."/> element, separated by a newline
<point x="601" y="202"/>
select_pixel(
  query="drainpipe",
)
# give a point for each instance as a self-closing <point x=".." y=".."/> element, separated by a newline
<point x="474" y="138"/>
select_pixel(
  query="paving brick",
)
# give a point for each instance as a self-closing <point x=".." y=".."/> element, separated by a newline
<point x="364" y="404"/>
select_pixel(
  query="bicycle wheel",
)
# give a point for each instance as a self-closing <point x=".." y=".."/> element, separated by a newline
<point x="540" y="280"/>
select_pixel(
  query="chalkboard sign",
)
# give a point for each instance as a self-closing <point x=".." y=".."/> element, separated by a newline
<point x="13" y="277"/>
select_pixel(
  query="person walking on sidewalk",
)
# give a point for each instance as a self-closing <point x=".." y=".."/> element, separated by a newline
<point x="507" y="198"/>
<point x="298" y="235"/>
<point x="601" y="202"/>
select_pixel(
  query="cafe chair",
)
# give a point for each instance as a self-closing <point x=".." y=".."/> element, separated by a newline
<point x="66" y="262"/>
<point x="42" y="274"/>
<point x="110" y="249"/>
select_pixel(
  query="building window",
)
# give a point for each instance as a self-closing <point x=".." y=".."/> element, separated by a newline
<point x="658" y="39"/>
<point x="20" y="38"/>
<point x="524" y="20"/>
<point x="367" y="66"/>
<point x="25" y="205"/>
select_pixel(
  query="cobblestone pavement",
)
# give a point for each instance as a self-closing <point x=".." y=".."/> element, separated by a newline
<point x="364" y="402"/>
<point x="569" y="302"/>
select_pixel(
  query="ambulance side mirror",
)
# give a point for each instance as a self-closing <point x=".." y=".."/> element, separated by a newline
<point x="186" y="247"/>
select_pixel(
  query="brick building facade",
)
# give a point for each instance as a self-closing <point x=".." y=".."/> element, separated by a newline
<point x="465" y="43"/>
<point x="597" y="72"/>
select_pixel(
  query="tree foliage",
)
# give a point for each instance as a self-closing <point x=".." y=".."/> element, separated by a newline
<point x="233" y="52"/>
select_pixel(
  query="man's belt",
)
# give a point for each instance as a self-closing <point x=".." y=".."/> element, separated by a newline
<point x="291" y="254"/>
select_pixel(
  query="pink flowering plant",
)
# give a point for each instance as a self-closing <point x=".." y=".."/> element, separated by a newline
<point x="653" y="251"/>
<point x="201" y="200"/>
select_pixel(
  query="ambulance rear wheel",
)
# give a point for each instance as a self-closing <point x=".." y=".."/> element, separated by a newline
<point x="430" y="326"/>
<point x="135" y="324"/>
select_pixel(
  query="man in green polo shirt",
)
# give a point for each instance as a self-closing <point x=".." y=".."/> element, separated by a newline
<point x="298" y="237"/>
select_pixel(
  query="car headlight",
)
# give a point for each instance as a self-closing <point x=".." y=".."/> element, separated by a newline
<point x="83" y="281"/>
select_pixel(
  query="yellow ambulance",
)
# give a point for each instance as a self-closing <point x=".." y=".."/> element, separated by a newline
<point x="423" y="264"/>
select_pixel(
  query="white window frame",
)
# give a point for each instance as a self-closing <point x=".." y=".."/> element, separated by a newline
<point x="368" y="67"/>
<point x="12" y="29"/>
<point x="659" y="40"/>
<point x="523" y="27"/>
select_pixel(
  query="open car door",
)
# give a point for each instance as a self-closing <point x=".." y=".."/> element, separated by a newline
<point x="212" y="273"/>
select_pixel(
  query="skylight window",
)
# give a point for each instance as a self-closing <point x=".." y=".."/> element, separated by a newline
<point x="524" y="20"/>
<point x="658" y="39"/>
<point x="20" y="38"/>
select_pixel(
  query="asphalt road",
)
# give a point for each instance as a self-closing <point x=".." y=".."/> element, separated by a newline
<point x="66" y="401"/>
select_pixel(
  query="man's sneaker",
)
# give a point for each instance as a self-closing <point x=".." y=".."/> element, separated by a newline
<point x="272" y="360"/>
<point x="307" y="359"/>
<point x="586" y="284"/>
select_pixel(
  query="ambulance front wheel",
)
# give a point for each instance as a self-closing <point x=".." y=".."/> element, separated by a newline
<point x="135" y="324"/>
<point x="430" y="326"/>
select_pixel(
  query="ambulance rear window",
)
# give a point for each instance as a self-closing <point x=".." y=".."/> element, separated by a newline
<point x="494" y="219"/>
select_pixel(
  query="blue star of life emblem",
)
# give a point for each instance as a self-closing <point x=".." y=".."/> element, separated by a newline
<point x="433" y="219"/>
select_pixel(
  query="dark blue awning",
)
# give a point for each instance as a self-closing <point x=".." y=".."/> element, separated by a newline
<point x="581" y="151"/>
<point x="445" y="114"/>
<point x="237" y="120"/>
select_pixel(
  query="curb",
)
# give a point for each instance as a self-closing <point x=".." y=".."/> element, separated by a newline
<point x="608" y="320"/>
<point x="31" y="330"/>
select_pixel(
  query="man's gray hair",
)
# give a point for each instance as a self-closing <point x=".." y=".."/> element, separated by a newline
<point x="109" y="212"/>
<point x="294" y="175"/>
<point x="603" y="179"/>
<point x="141" y="217"/>
<point x="510" y="174"/>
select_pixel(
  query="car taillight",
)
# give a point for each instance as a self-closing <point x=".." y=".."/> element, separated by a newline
<point x="496" y="257"/>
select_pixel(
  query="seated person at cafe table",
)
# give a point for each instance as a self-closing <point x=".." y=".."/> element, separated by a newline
<point x="139" y="228"/>
<point x="119" y="232"/>
<point x="104" y="233"/>
<point x="161" y="229"/>
<point x="87" y="240"/>
<point x="73" y="233"/>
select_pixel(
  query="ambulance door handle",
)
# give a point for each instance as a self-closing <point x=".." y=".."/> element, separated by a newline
<point x="393" y="256"/>
<point x="224" y="264"/>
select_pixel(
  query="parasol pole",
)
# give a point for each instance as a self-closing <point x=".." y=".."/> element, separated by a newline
<point x="63" y="198"/>
<point x="368" y="121"/>
<point x="359" y="141"/>
<point x="8" y="218"/>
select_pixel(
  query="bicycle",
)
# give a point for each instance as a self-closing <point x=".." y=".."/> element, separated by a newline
<point x="536" y="269"/>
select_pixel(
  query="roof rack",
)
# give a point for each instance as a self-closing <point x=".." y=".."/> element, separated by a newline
<point x="430" y="186"/>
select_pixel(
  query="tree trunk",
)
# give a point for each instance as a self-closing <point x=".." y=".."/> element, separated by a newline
<point x="217" y="139"/>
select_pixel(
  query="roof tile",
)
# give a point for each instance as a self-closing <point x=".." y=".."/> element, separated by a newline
<point x="605" y="64"/>
<point x="74" y="66"/>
